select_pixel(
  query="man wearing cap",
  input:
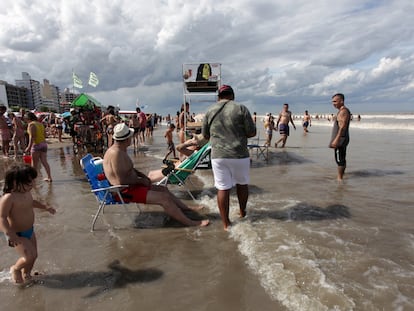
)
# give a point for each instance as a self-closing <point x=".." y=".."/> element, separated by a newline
<point x="119" y="170"/>
<point x="228" y="125"/>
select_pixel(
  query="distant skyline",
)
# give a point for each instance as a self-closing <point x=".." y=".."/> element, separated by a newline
<point x="299" y="52"/>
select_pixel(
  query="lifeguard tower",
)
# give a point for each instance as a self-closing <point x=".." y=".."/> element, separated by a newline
<point x="201" y="82"/>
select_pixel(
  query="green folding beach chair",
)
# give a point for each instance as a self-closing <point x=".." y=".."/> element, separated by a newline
<point x="179" y="175"/>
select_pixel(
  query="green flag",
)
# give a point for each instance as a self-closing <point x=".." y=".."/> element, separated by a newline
<point x="93" y="79"/>
<point x="76" y="81"/>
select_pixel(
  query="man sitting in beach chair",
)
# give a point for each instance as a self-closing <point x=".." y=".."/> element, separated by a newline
<point x="119" y="170"/>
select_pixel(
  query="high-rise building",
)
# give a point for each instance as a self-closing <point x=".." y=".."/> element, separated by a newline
<point x="11" y="95"/>
<point x="50" y="96"/>
<point x="66" y="99"/>
<point x="34" y="90"/>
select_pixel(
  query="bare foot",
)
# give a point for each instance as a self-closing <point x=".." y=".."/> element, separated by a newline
<point x="242" y="213"/>
<point x="196" y="208"/>
<point x="227" y="228"/>
<point x="48" y="179"/>
<point x="204" y="223"/>
<point x="27" y="278"/>
<point x="16" y="275"/>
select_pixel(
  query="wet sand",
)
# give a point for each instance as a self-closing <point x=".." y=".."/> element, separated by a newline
<point x="148" y="263"/>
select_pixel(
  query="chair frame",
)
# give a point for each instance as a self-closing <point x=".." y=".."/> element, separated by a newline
<point x="104" y="195"/>
<point x="206" y="150"/>
<point x="261" y="150"/>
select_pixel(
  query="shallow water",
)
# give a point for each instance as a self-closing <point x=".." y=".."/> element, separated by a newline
<point x="308" y="243"/>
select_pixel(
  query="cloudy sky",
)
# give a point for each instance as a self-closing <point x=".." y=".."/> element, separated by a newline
<point x="271" y="51"/>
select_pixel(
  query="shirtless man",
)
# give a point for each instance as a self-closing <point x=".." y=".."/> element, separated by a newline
<point x="134" y="123"/>
<point x="119" y="170"/>
<point x="110" y="120"/>
<point x="306" y="121"/>
<point x="285" y="116"/>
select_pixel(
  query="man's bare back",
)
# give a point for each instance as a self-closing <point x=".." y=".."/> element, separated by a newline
<point x="119" y="169"/>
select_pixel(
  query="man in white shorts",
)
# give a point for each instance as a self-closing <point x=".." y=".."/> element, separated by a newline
<point x="228" y="125"/>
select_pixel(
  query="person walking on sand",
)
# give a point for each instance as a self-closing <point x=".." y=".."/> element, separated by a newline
<point x="17" y="219"/>
<point x="134" y="123"/>
<point x="4" y="132"/>
<point x="340" y="133"/>
<point x="110" y="119"/>
<point x="142" y="117"/>
<point x="18" y="135"/>
<point x="119" y="170"/>
<point x="307" y="121"/>
<point x="169" y="137"/>
<point x="37" y="144"/>
<point x="269" y="127"/>
<point x="228" y="125"/>
<point x="285" y="116"/>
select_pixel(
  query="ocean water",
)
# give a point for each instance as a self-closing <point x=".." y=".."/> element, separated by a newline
<point x="308" y="242"/>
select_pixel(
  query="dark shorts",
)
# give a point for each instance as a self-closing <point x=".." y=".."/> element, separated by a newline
<point x="171" y="147"/>
<point x="340" y="156"/>
<point x="284" y="129"/>
<point x="142" y="129"/>
<point x="135" y="193"/>
<point x="136" y="130"/>
<point x="305" y="124"/>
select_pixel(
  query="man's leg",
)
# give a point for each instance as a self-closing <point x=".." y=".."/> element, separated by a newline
<point x="340" y="157"/>
<point x="223" y="202"/>
<point x="341" y="171"/>
<point x="242" y="195"/>
<point x="167" y="201"/>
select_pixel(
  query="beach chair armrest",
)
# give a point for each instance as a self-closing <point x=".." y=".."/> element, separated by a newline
<point x="115" y="188"/>
<point x="184" y="169"/>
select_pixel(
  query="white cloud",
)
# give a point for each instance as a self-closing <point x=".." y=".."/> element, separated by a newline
<point x="270" y="51"/>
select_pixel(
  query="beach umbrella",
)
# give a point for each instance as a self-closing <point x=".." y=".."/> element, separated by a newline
<point x="66" y="114"/>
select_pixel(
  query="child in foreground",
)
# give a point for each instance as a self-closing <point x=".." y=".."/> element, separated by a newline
<point x="17" y="219"/>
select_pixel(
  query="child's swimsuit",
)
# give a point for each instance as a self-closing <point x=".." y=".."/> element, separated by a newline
<point x="26" y="234"/>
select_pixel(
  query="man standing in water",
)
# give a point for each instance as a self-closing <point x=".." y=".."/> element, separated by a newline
<point x="306" y="121"/>
<point x="228" y="125"/>
<point x="285" y="116"/>
<point x="340" y="133"/>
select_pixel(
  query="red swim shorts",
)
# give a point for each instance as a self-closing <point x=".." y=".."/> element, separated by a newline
<point x="135" y="193"/>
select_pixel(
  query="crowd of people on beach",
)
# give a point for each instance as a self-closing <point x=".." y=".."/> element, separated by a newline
<point x="226" y="126"/>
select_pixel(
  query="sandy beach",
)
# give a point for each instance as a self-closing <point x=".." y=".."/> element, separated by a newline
<point x="160" y="265"/>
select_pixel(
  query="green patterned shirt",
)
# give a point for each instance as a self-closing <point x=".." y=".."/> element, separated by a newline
<point x="229" y="130"/>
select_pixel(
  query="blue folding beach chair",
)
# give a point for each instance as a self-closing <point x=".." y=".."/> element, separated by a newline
<point x="179" y="175"/>
<point x="105" y="193"/>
